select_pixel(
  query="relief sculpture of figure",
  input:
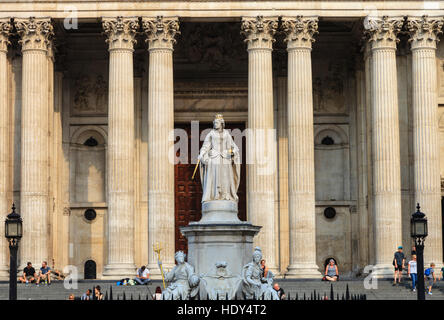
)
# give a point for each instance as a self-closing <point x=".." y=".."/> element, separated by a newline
<point x="254" y="285"/>
<point x="183" y="281"/>
<point x="219" y="284"/>
<point x="219" y="164"/>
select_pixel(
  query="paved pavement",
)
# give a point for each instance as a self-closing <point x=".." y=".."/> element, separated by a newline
<point x="385" y="290"/>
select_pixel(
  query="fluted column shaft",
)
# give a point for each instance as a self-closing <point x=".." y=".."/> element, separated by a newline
<point x="120" y="158"/>
<point x="160" y="37"/>
<point x="301" y="180"/>
<point x="261" y="137"/>
<point x="35" y="40"/>
<point x="424" y="33"/>
<point x="5" y="28"/>
<point x="382" y="36"/>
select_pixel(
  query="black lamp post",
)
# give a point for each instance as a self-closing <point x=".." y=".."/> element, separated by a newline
<point x="13" y="232"/>
<point x="418" y="232"/>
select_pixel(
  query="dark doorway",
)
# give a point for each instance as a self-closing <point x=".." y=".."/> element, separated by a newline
<point x="188" y="192"/>
<point x="90" y="270"/>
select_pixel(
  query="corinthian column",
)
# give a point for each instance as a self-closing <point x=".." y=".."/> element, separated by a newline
<point x="36" y="37"/>
<point x="424" y="33"/>
<point x="5" y="28"/>
<point x="120" y="34"/>
<point x="300" y="33"/>
<point x="382" y="37"/>
<point x="261" y="137"/>
<point x="160" y="37"/>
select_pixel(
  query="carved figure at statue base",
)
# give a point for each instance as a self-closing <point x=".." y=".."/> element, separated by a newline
<point x="254" y="285"/>
<point x="184" y="283"/>
<point x="220" y="284"/>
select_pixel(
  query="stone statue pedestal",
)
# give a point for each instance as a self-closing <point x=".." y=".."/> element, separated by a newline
<point x="219" y="236"/>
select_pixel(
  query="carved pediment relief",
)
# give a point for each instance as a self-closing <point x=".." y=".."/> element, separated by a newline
<point x="328" y="87"/>
<point x="89" y="95"/>
<point x="215" y="47"/>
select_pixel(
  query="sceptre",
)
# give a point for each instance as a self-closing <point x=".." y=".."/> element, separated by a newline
<point x="195" y="169"/>
<point x="157" y="248"/>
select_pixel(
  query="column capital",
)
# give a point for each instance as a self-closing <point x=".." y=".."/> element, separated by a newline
<point x="35" y="33"/>
<point x="424" y="31"/>
<point x="382" y="33"/>
<point x="259" y="31"/>
<point x="299" y="31"/>
<point x="160" y="31"/>
<point x="120" y="32"/>
<point x="5" y="30"/>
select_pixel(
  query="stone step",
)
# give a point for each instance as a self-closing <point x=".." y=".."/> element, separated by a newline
<point x="385" y="290"/>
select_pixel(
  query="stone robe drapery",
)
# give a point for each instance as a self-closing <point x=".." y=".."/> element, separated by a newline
<point x="219" y="167"/>
<point x="256" y="287"/>
<point x="184" y="283"/>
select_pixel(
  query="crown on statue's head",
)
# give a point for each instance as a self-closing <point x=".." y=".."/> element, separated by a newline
<point x="218" y="116"/>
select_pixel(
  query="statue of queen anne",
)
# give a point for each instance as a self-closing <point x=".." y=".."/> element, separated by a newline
<point x="219" y="164"/>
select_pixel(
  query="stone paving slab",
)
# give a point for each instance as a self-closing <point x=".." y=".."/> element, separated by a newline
<point x="385" y="290"/>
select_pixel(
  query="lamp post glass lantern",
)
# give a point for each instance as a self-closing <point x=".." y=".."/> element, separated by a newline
<point x="419" y="231"/>
<point x="13" y="233"/>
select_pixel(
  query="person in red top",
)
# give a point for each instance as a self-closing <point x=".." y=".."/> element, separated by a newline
<point x="264" y="269"/>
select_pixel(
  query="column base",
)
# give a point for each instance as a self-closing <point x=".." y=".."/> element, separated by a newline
<point x="383" y="271"/>
<point x="155" y="271"/>
<point x="117" y="271"/>
<point x="303" y="271"/>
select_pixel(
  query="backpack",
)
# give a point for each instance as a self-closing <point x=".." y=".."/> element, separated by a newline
<point x="427" y="272"/>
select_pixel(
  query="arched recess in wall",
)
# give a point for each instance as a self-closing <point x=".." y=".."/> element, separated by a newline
<point x="331" y="163"/>
<point x="88" y="165"/>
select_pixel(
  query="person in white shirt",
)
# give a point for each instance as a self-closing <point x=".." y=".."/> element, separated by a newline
<point x="143" y="276"/>
<point x="412" y="272"/>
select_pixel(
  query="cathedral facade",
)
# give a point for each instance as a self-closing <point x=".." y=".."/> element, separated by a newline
<point x="337" y="105"/>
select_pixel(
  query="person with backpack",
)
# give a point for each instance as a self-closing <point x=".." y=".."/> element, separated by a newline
<point x="429" y="274"/>
<point x="412" y="272"/>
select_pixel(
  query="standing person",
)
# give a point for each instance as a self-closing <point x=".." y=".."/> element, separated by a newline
<point x="398" y="262"/>
<point x="412" y="272"/>
<point x="45" y="274"/>
<point x="158" y="294"/>
<point x="331" y="271"/>
<point x="280" y="291"/>
<point x="413" y="251"/>
<point x="264" y="269"/>
<point x="29" y="274"/>
<point x="143" y="276"/>
<point x="429" y="274"/>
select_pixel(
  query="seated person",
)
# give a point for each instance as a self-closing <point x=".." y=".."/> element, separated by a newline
<point x="98" y="293"/>
<point x="57" y="274"/>
<point x="87" y="295"/>
<point x="28" y="274"/>
<point x="280" y="291"/>
<point x="264" y="269"/>
<point x="45" y="273"/>
<point x="331" y="271"/>
<point x="143" y="276"/>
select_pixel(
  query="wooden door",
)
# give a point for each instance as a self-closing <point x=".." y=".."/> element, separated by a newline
<point x="188" y="192"/>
